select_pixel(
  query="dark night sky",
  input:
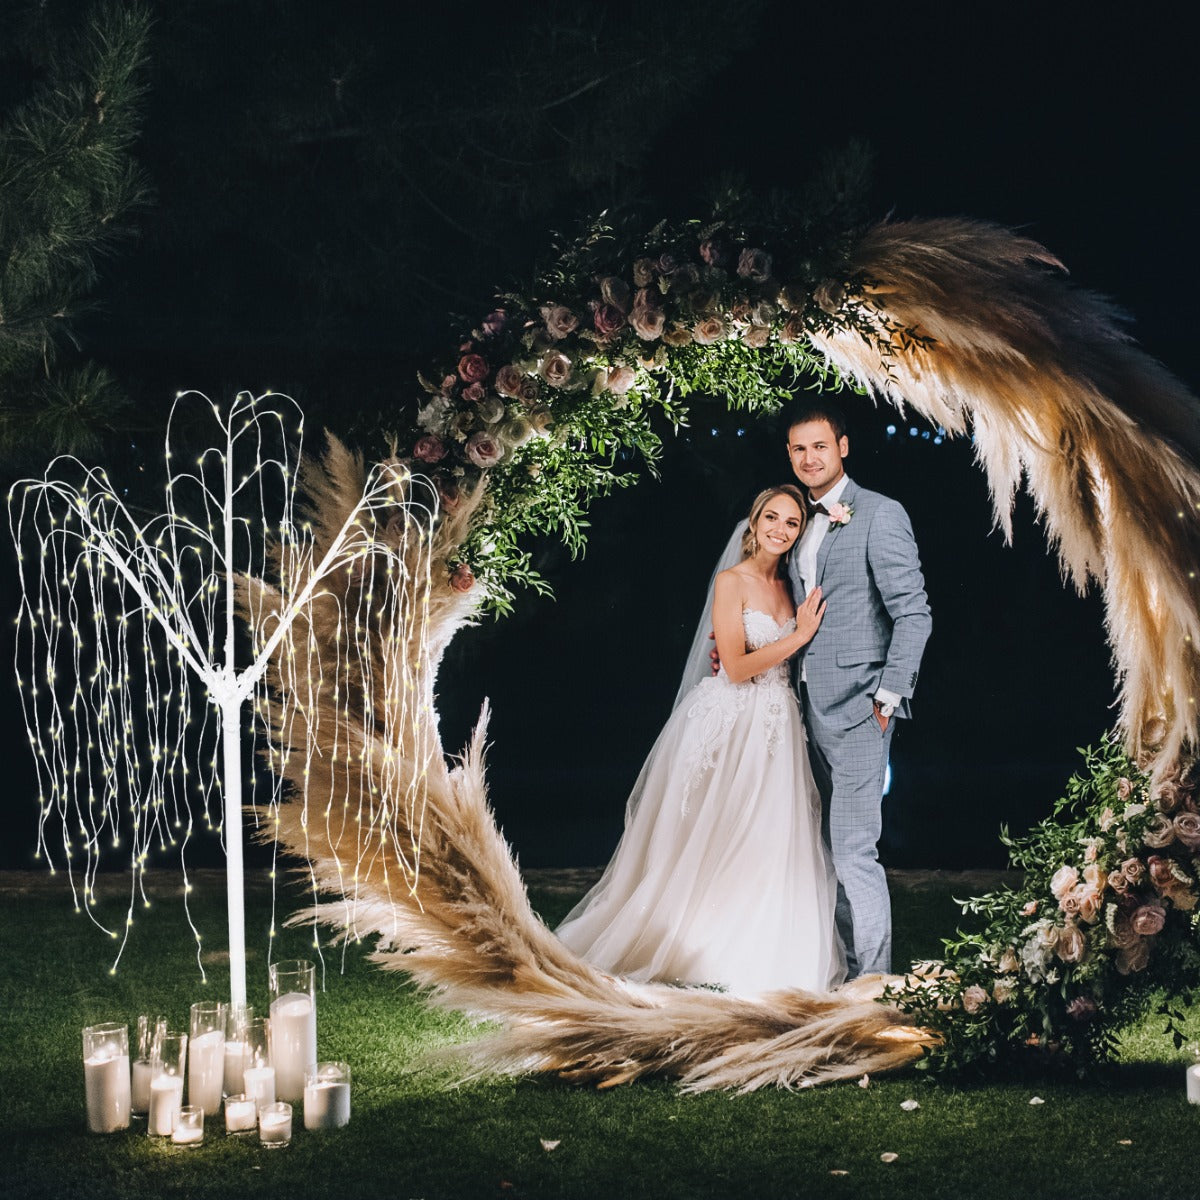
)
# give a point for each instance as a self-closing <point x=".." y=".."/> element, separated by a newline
<point x="1071" y="122"/>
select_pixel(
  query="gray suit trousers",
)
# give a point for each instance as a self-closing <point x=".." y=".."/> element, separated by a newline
<point x="849" y="766"/>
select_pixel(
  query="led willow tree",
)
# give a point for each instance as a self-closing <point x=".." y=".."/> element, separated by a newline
<point x="135" y="677"/>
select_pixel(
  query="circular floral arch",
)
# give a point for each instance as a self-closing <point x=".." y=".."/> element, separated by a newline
<point x="977" y="329"/>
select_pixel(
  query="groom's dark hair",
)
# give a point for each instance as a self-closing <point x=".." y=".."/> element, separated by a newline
<point x="819" y="409"/>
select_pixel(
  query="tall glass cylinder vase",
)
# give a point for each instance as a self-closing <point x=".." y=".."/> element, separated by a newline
<point x="236" y="1049"/>
<point x="293" y="1025"/>
<point x="106" y="1077"/>
<point x="166" y="1082"/>
<point x="206" y="1055"/>
<point x="148" y="1029"/>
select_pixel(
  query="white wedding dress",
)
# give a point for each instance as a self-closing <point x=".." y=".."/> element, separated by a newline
<point x="721" y="876"/>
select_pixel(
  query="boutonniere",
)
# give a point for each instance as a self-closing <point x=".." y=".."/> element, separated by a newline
<point x="840" y="514"/>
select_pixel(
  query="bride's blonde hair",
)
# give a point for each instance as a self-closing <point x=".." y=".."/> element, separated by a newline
<point x="749" y="541"/>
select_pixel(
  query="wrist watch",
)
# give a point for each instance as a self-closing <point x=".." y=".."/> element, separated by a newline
<point x="884" y="710"/>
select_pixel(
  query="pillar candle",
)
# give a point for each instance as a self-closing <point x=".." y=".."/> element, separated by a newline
<point x="206" y="1070"/>
<point x="166" y="1097"/>
<point x="1193" y="1084"/>
<point x="141" y="1086"/>
<point x="260" y="1085"/>
<point x="293" y="1042"/>
<point x="107" y="1088"/>
<point x="241" y="1114"/>
<point x="237" y="1059"/>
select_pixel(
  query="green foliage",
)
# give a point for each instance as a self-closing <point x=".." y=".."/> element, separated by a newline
<point x="71" y="188"/>
<point x="563" y="391"/>
<point x="1103" y="926"/>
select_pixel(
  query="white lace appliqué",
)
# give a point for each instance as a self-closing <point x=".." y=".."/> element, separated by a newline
<point x="718" y="702"/>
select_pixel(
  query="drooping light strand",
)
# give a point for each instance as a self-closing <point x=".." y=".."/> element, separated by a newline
<point x="134" y="672"/>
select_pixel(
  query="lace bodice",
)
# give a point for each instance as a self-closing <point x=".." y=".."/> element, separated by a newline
<point x="718" y="702"/>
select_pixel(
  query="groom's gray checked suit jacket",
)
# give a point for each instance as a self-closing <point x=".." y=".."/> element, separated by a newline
<point x="877" y="620"/>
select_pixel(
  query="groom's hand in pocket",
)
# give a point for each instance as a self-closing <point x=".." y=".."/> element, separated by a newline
<point x="883" y="721"/>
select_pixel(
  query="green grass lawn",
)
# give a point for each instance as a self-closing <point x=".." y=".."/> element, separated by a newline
<point x="414" y="1133"/>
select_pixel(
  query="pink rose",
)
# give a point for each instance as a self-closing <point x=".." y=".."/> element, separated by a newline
<point x="484" y="450"/>
<point x="1091" y="904"/>
<point x="1071" y="943"/>
<point x="449" y="383"/>
<point x="462" y="578"/>
<point x="757" y="336"/>
<point x="474" y="392"/>
<point x="620" y="380"/>
<point x="1094" y="876"/>
<point x="1082" y="1008"/>
<point x="644" y="270"/>
<point x="1135" y="869"/>
<point x="974" y="998"/>
<point x="1008" y="961"/>
<point x="508" y="381"/>
<point x="647" y="319"/>
<point x="1160" y="831"/>
<point x="555" y="368"/>
<point x="1070" y="902"/>
<point x="1062" y="881"/>
<point x="1002" y="991"/>
<point x="429" y="449"/>
<point x="1134" y="958"/>
<point x="1161" y="875"/>
<point x="754" y="265"/>
<point x="615" y="291"/>
<point x="607" y="319"/>
<point x="1167" y="796"/>
<point x="1108" y="819"/>
<point x="709" y="331"/>
<point x="840" y="514"/>
<point x="473" y="368"/>
<point x="560" y="321"/>
<point x="1148" y="920"/>
<point x="1029" y="908"/>
<point x="1187" y="829"/>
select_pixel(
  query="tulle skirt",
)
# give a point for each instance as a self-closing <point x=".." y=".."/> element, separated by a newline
<point x="721" y="876"/>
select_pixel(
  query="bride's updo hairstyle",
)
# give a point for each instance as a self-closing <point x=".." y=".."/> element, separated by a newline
<point x="756" y="510"/>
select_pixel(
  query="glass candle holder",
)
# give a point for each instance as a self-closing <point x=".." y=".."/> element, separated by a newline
<point x="258" y="1076"/>
<point x="189" y="1126"/>
<point x="241" y="1114"/>
<point x="1193" y="1076"/>
<point x="236" y="1050"/>
<point x="166" y="1082"/>
<point x="148" y="1028"/>
<point x="293" y="1025"/>
<point x="327" y="1096"/>
<point x="106" y="1077"/>
<point x="275" y="1124"/>
<point x="206" y="1055"/>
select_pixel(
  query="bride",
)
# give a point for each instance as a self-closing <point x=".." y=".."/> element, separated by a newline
<point x="721" y="876"/>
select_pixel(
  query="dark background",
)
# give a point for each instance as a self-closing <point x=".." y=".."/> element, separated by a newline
<point x="335" y="182"/>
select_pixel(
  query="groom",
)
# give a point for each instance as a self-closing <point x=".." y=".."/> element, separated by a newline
<point x="857" y="674"/>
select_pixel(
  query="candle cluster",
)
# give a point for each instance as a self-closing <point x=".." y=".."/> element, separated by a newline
<point x="258" y="1068"/>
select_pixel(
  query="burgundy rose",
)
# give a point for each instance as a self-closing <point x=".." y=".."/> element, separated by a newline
<point x="484" y="450"/>
<point x="668" y="264"/>
<point x="754" y="265"/>
<point x="474" y="392"/>
<point x="495" y="322"/>
<point x="1148" y="920"/>
<point x="508" y="381"/>
<point x="462" y="578"/>
<point x="429" y="449"/>
<point x="1082" y="1008"/>
<point x="1134" y="958"/>
<point x="560" y="321"/>
<point x="607" y="319"/>
<point x="1187" y="829"/>
<point x="713" y="252"/>
<point x="473" y="368"/>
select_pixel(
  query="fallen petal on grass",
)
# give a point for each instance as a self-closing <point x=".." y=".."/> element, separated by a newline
<point x="1036" y="1100"/>
<point x="549" y="1145"/>
<point x="910" y="1105"/>
<point x="865" y="1081"/>
<point x="888" y="1156"/>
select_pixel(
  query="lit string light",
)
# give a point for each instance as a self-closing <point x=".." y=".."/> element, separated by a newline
<point x="127" y="656"/>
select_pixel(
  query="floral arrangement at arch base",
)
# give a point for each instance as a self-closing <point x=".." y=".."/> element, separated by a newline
<point x="1105" y="922"/>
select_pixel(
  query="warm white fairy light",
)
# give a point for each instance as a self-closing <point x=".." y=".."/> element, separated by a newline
<point x="128" y="654"/>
